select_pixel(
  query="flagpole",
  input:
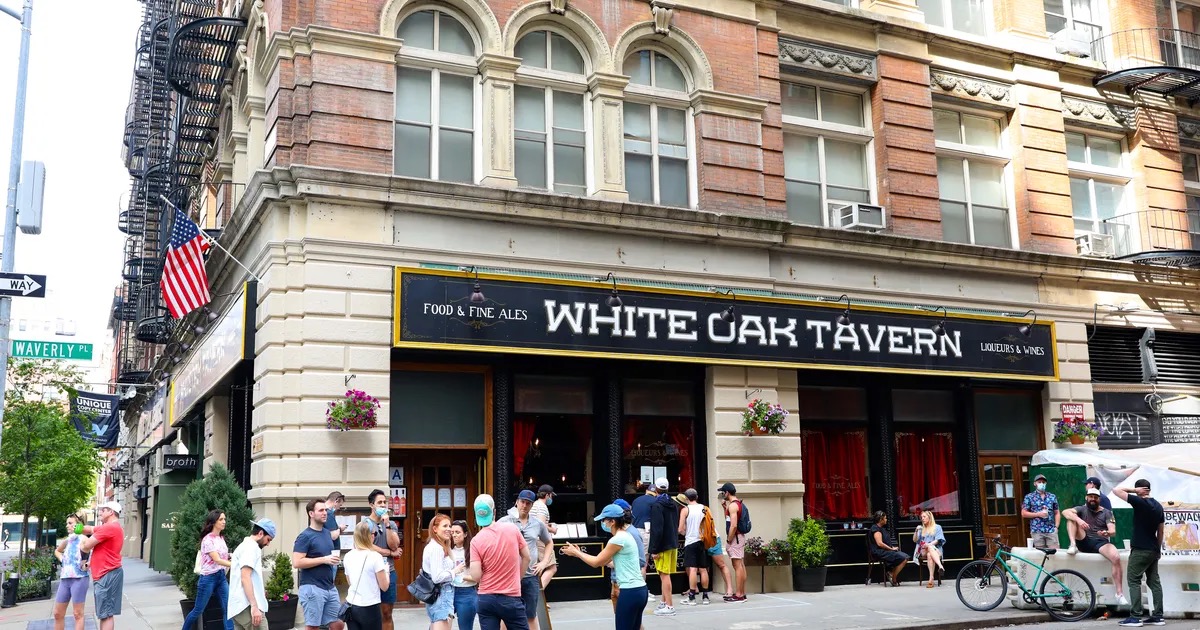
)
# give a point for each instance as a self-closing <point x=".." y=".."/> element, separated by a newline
<point x="213" y="241"/>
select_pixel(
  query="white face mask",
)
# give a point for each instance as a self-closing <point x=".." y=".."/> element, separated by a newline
<point x="1041" y="486"/>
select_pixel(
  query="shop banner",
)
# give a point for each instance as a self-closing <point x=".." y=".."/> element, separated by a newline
<point x="230" y="341"/>
<point x="1181" y="531"/>
<point x="537" y="316"/>
<point x="95" y="417"/>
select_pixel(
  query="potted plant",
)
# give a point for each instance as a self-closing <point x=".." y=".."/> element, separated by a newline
<point x="764" y="418"/>
<point x="1076" y="432"/>
<point x="771" y="554"/>
<point x="216" y="491"/>
<point x="281" y="602"/>
<point x="355" y="410"/>
<point x="809" y="545"/>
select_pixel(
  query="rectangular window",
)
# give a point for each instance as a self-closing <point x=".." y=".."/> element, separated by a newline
<point x="1098" y="182"/>
<point x="826" y="152"/>
<point x="435" y="121"/>
<point x="1179" y="24"/>
<point x="968" y="16"/>
<point x="1081" y="16"/>
<point x="972" y="184"/>
<point x="550" y="140"/>
<point x="552" y="432"/>
<point x="656" y="154"/>
<point x="658" y="432"/>
<point x="833" y="442"/>
<point x="926" y="472"/>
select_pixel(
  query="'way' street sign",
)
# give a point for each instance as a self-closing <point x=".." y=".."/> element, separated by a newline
<point x="22" y="285"/>
<point x="51" y="350"/>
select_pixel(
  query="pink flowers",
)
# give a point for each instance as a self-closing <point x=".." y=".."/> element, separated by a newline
<point x="356" y="410"/>
<point x="764" y="417"/>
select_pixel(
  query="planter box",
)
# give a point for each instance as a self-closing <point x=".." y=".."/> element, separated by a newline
<point x="808" y="580"/>
<point x="213" y="619"/>
<point x="281" y="615"/>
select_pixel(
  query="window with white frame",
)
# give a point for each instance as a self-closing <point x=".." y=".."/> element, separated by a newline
<point x="1191" y="187"/>
<point x="551" y="128"/>
<point x="658" y="131"/>
<point x="1179" y="32"/>
<point x="435" y="98"/>
<point x="1098" y="182"/>
<point x="968" y="16"/>
<point x="972" y="184"/>
<point x="1081" y="16"/>
<point x="826" y="151"/>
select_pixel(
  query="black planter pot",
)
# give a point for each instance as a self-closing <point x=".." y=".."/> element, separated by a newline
<point x="808" y="580"/>
<point x="281" y="615"/>
<point x="213" y="618"/>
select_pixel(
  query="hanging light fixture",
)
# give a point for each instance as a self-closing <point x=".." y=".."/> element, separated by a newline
<point x="938" y="328"/>
<point x="614" y="299"/>
<point x="844" y="318"/>
<point x="729" y="314"/>
<point x="1027" y="329"/>
<point x="477" y="296"/>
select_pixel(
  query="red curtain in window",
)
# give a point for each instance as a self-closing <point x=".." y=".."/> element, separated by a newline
<point x="835" y="465"/>
<point x="925" y="478"/>
<point x="680" y="432"/>
<point x="523" y="430"/>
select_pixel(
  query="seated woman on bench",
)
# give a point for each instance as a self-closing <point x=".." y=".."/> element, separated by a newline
<point x="885" y="550"/>
<point x="929" y="539"/>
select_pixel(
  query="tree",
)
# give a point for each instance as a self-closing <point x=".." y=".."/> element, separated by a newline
<point x="216" y="491"/>
<point x="46" y="468"/>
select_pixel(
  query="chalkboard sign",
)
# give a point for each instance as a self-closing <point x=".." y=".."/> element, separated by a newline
<point x="1181" y="429"/>
<point x="1125" y="429"/>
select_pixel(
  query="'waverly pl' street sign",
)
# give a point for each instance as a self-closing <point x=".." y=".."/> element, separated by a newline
<point x="51" y="350"/>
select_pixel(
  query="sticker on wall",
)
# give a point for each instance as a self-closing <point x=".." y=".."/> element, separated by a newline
<point x="443" y="497"/>
<point x="647" y="475"/>
<point x="460" y="497"/>
<point x="428" y="498"/>
<point x="396" y="477"/>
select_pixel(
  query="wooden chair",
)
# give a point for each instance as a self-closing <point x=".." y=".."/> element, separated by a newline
<point x="922" y="567"/>
<point x="873" y="562"/>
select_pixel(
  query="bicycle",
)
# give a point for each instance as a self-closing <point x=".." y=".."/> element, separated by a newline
<point x="1065" y="594"/>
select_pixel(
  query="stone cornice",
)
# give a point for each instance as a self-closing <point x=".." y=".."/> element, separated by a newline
<point x="1189" y="129"/>
<point x="816" y="57"/>
<point x="985" y="91"/>
<point x="1097" y="113"/>
<point x="321" y="39"/>
<point x="710" y="102"/>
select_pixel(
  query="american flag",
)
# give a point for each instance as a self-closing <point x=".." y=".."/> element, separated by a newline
<point x="184" y="280"/>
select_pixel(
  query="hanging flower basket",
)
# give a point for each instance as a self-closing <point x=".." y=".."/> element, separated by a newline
<point x="764" y="418"/>
<point x="1076" y="432"/>
<point x="355" y="410"/>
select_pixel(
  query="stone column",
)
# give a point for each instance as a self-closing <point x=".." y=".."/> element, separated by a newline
<point x="905" y="163"/>
<point x="608" y="150"/>
<point x="216" y="433"/>
<point x="1040" y="163"/>
<point x="1075" y="377"/>
<point x="499" y="77"/>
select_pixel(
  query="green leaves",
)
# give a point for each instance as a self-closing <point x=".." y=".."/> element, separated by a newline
<point x="216" y="491"/>
<point x="809" y="542"/>
<point x="279" y="584"/>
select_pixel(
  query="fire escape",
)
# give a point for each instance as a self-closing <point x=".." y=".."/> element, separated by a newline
<point x="183" y="51"/>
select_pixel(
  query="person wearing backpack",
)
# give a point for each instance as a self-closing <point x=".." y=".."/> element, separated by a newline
<point x="737" y="525"/>
<point x="699" y="535"/>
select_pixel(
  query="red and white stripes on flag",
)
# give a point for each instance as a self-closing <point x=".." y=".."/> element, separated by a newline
<point x="184" y="280"/>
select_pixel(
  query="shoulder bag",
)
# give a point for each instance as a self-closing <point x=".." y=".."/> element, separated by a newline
<point x="423" y="588"/>
<point x="344" y="610"/>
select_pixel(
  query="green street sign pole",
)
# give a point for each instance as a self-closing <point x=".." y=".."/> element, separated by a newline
<point x="51" y="350"/>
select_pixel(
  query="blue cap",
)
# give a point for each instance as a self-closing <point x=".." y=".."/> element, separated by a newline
<point x="485" y="510"/>
<point x="527" y="495"/>
<point x="623" y="504"/>
<point x="265" y="524"/>
<point x="610" y="511"/>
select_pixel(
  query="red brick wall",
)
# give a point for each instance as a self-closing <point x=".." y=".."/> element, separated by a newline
<point x="905" y="164"/>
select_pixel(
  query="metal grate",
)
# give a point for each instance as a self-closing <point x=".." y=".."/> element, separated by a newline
<point x="1115" y="355"/>
<point x="1177" y="355"/>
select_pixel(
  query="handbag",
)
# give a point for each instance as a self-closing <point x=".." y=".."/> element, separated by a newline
<point x="423" y="588"/>
<point x="344" y="609"/>
<point x="199" y="563"/>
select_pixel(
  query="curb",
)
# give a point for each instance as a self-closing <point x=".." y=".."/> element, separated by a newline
<point x="1020" y="619"/>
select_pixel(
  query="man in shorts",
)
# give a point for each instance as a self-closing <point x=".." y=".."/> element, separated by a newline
<point x="1041" y="508"/>
<point x="1091" y="528"/>
<point x="695" y="554"/>
<point x="664" y="542"/>
<point x="533" y="531"/>
<point x="735" y="541"/>
<point x="312" y="555"/>
<point x="107" y="575"/>
<point x="541" y="511"/>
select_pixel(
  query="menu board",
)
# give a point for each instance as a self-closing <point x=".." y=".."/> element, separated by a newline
<point x="1181" y="429"/>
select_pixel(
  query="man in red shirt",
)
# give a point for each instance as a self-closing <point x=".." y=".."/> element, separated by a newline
<point x="499" y="558"/>
<point x="105" y="546"/>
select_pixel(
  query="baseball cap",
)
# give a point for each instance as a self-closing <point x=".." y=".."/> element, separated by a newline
<point x="1040" y="478"/>
<point x="265" y="524"/>
<point x="1095" y="481"/>
<point x="1093" y="491"/>
<point x="545" y="489"/>
<point x="622" y="503"/>
<point x="112" y="505"/>
<point x="527" y="495"/>
<point x="661" y="483"/>
<point x="727" y="487"/>
<point x="611" y="510"/>
<point x="485" y="510"/>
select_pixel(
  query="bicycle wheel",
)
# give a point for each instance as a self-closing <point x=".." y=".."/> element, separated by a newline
<point x="1067" y="595"/>
<point x="982" y="585"/>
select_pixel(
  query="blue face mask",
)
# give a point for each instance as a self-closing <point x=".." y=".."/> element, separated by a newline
<point x="380" y="512"/>
<point x="549" y="500"/>
<point x="330" y="511"/>
<point x="605" y="527"/>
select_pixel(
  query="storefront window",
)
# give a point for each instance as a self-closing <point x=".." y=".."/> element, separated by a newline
<point x="833" y="439"/>
<point x="926" y="471"/>
<point x="552" y="433"/>
<point x="658" y="433"/>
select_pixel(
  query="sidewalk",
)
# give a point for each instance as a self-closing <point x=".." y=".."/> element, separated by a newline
<point x="151" y="601"/>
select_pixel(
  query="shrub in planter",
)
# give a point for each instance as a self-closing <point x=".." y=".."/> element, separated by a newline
<point x="36" y="571"/>
<point x="809" y="545"/>
<point x="281" y="602"/>
<point x="216" y="491"/>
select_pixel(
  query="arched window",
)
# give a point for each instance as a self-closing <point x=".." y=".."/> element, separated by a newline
<point x="657" y="131"/>
<point x="435" y="98"/>
<point x="551" y="132"/>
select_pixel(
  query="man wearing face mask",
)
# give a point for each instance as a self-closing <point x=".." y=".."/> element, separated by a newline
<point x="387" y="543"/>
<point x="1091" y="528"/>
<point x="541" y="511"/>
<point x="1041" y="508"/>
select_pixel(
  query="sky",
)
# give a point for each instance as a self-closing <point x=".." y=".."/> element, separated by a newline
<point x="80" y="69"/>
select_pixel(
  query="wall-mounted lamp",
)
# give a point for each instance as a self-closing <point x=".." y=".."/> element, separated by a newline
<point x="210" y="315"/>
<point x="198" y="330"/>
<point x="940" y="327"/>
<point x="844" y="318"/>
<point x="1027" y="329"/>
<point x="614" y="300"/>
<point x="477" y="296"/>
<point x="729" y="314"/>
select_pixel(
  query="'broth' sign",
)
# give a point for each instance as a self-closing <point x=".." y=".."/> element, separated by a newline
<point x="526" y="315"/>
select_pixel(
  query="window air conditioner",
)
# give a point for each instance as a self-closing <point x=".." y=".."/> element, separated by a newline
<point x="1095" y="245"/>
<point x="858" y="216"/>
<point x="1072" y="42"/>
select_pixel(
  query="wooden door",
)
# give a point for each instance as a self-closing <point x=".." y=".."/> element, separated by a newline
<point x="1003" y="488"/>
<point x="443" y="482"/>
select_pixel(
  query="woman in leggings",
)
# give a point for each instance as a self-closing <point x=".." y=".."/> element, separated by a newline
<point x="621" y="550"/>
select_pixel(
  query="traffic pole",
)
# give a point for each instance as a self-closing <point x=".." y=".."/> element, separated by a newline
<point x="14" y="178"/>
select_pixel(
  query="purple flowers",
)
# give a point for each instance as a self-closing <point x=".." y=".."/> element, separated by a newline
<point x="1064" y="429"/>
<point x="356" y="410"/>
<point x="768" y="417"/>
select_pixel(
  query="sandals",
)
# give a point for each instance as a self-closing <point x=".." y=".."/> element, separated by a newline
<point x="929" y="585"/>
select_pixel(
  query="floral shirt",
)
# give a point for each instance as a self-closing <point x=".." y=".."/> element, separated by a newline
<point x="1036" y="502"/>
<point x="212" y="542"/>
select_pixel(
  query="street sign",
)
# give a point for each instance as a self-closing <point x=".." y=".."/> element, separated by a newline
<point x="22" y="285"/>
<point x="51" y="350"/>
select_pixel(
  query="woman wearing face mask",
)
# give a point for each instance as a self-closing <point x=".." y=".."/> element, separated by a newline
<point x="438" y="562"/>
<point x="466" y="591"/>
<point x="621" y="550"/>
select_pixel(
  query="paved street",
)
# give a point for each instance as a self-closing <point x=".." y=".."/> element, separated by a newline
<point x="151" y="601"/>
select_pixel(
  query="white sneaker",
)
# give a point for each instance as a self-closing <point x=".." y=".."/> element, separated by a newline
<point x="1072" y="550"/>
<point x="1121" y="601"/>
<point x="664" y="611"/>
